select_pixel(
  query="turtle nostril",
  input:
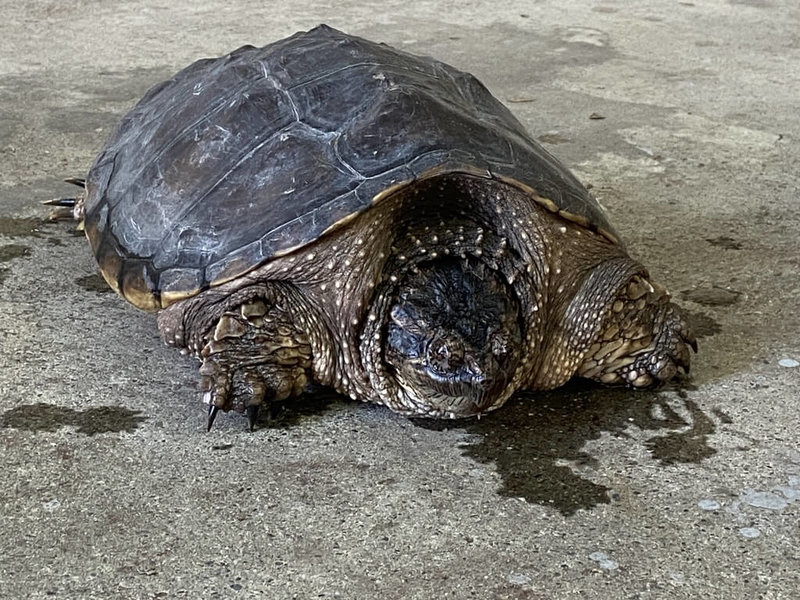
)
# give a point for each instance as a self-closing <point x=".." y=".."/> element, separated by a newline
<point x="446" y="355"/>
<point x="476" y="373"/>
<point x="499" y="345"/>
<point x="439" y="355"/>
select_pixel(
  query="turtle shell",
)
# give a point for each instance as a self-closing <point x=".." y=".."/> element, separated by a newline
<point x="239" y="159"/>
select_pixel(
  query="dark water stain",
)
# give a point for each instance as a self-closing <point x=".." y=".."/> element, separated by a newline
<point x="723" y="241"/>
<point x="690" y="445"/>
<point x="722" y="416"/>
<point x="753" y="3"/>
<point x="47" y="417"/>
<point x="94" y="283"/>
<point x="712" y="296"/>
<point x="533" y="434"/>
<point x="701" y="324"/>
<point x="25" y="227"/>
<point x="12" y="251"/>
<point x="553" y="138"/>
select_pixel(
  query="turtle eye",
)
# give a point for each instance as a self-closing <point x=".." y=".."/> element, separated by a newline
<point x="445" y="356"/>
<point x="440" y="352"/>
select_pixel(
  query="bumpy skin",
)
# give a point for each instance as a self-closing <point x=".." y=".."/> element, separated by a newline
<point x="324" y="314"/>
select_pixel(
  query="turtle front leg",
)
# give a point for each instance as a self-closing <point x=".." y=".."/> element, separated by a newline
<point x="253" y="356"/>
<point x="643" y="342"/>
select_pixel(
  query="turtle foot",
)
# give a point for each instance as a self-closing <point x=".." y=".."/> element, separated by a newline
<point x="246" y="367"/>
<point x="227" y="384"/>
<point x="645" y="340"/>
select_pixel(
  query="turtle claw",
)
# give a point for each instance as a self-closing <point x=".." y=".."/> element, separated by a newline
<point x="258" y="390"/>
<point x="79" y="181"/>
<point x="252" y="415"/>
<point x="243" y="390"/>
<point x="61" y="202"/>
<point x="212" y="414"/>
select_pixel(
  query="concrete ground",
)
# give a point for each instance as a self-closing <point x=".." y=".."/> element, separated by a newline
<point x="111" y="488"/>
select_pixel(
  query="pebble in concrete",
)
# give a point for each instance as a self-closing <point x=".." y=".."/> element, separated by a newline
<point x="603" y="561"/>
<point x="749" y="532"/>
<point x="766" y="500"/>
<point x="708" y="504"/>
<point x="519" y="579"/>
<point x="789" y="363"/>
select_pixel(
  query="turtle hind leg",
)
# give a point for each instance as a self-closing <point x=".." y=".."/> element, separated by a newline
<point x="251" y="359"/>
<point x="68" y="208"/>
<point x="643" y="342"/>
<point x="64" y="209"/>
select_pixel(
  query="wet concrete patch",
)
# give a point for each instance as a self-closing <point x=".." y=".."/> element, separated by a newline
<point x="531" y="438"/>
<point x="753" y="3"/>
<point x="10" y="252"/>
<point x="712" y="296"/>
<point x="553" y="138"/>
<point x="702" y="324"/>
<point x="686" y="446"/>
<point x="24" y="227"/>
<point x="46" y="417"/>
<point x="94" y="283"/>
<point x="726" y="242"/>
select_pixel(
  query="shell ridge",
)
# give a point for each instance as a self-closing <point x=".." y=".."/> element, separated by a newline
<point x="327" y="74"/>
<point x="279" y="87"/>
<point x="337" y="153"/>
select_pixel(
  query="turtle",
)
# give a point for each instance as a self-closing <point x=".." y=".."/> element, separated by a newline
<point x="330" y="211"/>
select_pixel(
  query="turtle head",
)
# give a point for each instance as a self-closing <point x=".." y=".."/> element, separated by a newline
<point x="453" y="338"/>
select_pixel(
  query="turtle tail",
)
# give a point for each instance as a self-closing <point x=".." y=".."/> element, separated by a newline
<point x="69" y="208"/>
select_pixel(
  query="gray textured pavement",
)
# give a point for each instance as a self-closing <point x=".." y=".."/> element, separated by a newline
<point x="111" y="488"/>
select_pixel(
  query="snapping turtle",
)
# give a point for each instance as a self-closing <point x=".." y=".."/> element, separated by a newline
<point x="330" y="210"/>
